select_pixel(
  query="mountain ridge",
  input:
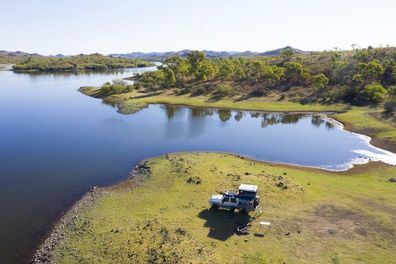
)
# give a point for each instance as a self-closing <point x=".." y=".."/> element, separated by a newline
<point x="208" y="53"/>
<point x="160" y="55"/>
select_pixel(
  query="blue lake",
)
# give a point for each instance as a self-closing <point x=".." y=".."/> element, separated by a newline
<point x="56" y="143"/>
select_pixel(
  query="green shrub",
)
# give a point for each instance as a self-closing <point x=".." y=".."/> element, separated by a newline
<point x="224" y="89"/>
<point x="116" y="87"/>
<point x="390" y="105"/>
<point x="373" y="93"/>
<point x="321" y="80"/>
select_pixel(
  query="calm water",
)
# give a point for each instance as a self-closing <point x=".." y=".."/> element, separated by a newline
<point x="56" y="143"/>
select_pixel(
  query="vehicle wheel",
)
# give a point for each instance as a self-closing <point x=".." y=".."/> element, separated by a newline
<point x="244" y="211"/>
<point x="214" y="206"/>
<point x="232" y="210"/>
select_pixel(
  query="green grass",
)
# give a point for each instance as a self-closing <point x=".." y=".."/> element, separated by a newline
<point x="347" y="217"/>
<point x="361" y="119"/>
<point x="258" y="104"/>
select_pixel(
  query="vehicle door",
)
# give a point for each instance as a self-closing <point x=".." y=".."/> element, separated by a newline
<point x="230" y="202"/>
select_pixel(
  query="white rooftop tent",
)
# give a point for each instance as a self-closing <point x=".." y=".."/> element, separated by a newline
<point x="248" y="188"/>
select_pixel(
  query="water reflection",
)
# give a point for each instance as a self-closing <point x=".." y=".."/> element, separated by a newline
<point x="329" y="125"/>
<point x="317" y="120"/>
<point x="238" y="116"/>
<point x="171" y="111"/>
<point x="200" y="112"/>
<point x="224" y="115"/>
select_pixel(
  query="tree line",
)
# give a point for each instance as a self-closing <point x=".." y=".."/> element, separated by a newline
<point x="93" y="62"/>
<point x="363" y="76"/>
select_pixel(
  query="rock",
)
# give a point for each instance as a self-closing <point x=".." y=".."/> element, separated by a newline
<point x="332" y="231"/>
<point x="392" y="180"/>
<point x="282" y="185"/>
<point x="181" y="231"/>
<point x="142" y="168"/>
<point x="194" y="180"/>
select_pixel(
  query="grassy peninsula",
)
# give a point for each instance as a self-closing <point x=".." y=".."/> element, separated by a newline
<point x="161" y="215"/>
<point x="92" y="62"/>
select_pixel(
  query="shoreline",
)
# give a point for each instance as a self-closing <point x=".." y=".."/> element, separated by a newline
<point x="376" y="142"/>
<point x="139" y="173"/>
<point x="56" y="234"/>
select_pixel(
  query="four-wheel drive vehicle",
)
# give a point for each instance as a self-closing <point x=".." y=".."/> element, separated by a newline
<point x="246" y="199"/>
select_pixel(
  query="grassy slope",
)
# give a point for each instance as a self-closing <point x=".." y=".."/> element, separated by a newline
<point x="360" y="119"/>
<point x="262" y="104"/>
<point x="347" y="217"/>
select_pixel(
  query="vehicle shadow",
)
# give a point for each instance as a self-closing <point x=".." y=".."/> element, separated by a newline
<point x="222" y="224"/>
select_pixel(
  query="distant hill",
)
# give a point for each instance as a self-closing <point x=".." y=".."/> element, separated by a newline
<point x="17" y="54"/>
<point x="11" y="57"/>
<point x="208" y="54"/>
<point x="276" y="52"/>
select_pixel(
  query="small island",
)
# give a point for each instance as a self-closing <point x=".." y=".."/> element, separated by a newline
<point x="92" y="62"/>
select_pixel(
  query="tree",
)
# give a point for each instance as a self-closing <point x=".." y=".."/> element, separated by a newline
<point x="338" y="64"/>
<point x="270" y="74"/>
<point x="294" y="71"/>
<point x="207" y="70"/>
<point x="195" y="59"/>
<point x="372" y="70"/>
<point x="170" y="79"/>
<point x="390" y="104"/>
<point x="373" y="93"/>
<point x="226" y="69"/>
<point x="321" y="80"/>
<point x="180" y="68"/>
<point x="361" y="55"/>
<point x="287" y="53"/>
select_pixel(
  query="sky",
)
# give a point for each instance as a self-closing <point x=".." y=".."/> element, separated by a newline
<point x="121" y="26"/>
